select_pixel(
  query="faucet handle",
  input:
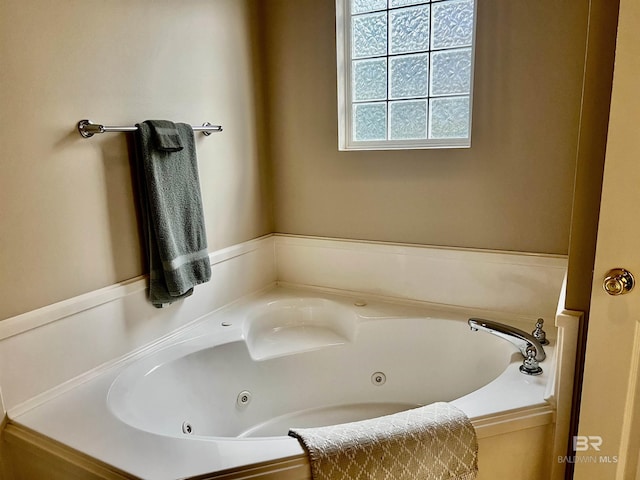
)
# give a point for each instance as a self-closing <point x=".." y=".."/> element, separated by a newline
<point x="539" y="334"/>
<point x="530" y="365"/>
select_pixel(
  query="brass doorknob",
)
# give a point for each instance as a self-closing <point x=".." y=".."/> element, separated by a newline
<point x="618" y="282"/>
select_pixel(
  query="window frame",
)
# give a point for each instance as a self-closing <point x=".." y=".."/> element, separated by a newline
<point x="345" y="101"/>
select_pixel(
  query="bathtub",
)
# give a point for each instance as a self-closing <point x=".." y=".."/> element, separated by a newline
<point x="219" y="397"/>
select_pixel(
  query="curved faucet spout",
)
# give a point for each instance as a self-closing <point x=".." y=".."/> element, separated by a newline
<point x="514" y="335"/>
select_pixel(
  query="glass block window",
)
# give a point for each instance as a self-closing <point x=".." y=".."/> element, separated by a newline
<point x="405" y="73"/>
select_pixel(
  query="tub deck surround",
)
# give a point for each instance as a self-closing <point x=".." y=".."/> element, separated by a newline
<point x="510" y="282"/>
<point x="65" y="356"/>
<point x="116" y="419"/>
<point x="106" y="325"/>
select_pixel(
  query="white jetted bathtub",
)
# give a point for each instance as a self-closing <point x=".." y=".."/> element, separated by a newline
<point x="223" y="394"/>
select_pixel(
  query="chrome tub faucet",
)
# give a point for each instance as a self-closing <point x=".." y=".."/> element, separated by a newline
<point x="529" y="346"/>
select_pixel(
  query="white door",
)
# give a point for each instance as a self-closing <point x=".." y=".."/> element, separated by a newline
<point x="608" y="439"/>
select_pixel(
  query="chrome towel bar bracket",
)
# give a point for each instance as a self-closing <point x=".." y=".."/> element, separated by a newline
<point x="88" y="129"/>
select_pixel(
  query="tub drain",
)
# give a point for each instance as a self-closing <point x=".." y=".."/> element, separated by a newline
<point x="186" y="428"/>
<point x="378" y="378"/>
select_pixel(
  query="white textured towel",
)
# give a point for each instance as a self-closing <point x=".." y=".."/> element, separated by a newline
<point x="434" y="442"/>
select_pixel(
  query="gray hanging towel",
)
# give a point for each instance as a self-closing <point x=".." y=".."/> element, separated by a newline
<point x="171" y="207"/>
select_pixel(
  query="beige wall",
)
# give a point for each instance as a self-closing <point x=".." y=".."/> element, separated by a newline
<point x="512" y="190"/>
<point x="67" y="215"/>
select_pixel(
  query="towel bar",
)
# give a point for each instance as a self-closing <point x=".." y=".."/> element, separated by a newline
<point x="88" y="129"/>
